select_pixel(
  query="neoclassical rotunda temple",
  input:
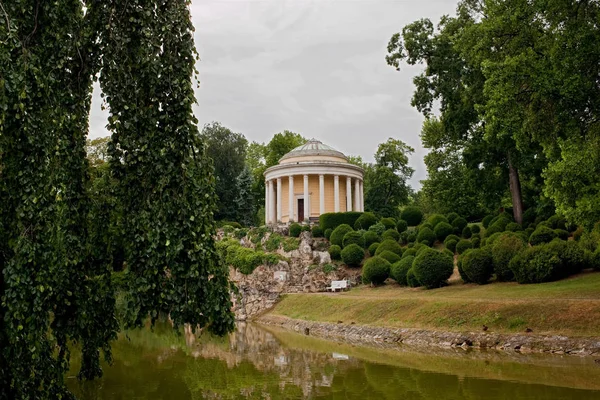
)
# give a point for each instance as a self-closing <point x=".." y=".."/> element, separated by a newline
<point x="311" y="180"/>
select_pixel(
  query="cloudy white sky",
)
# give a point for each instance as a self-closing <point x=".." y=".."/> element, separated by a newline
<point x="313" y="67"/>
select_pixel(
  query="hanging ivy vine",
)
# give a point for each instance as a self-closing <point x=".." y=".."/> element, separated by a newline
<point x="55" y="285"/>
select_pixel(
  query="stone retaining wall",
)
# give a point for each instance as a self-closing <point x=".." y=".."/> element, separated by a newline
<point x="361" y="334"/>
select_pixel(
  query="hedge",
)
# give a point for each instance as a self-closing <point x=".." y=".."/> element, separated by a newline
<point x="442" y="230"/>
<point x="435" y="219"/>
<point x="378" y="228"/>
<point x="433" y="268"/>
<point x="352" y="255"/>
<point x="335" y="252"/>
<point x="452" y="237"/>
<point x="389" y="223"/>
<point x="295" y="229"/>
<point x="391" y="234"/>
<point x="513" y="227"/>
<point x="317" y="231"/>
<point x="542" y="234"/>
<point x="373" y="248"/>
<point x="399" y="270"/>
<point x="411" y="278"/>
<point x="333" y="220"/>
<point x="352" y="238"/>
<point x="475" y="228"/>
<point x="376" y="270"/>
<point x="466" y="232"/>
<point x="463" y="245"/>
<point x="365" y="221"/>
<point x="412" y="215"/>
<point x="328" y="232"/>
<point x="390" y="256"/>
<point x="548" y="262"/>
<point x="369" y="238"/>
<point x="389" y="245"/>
<point x="460" y="223"/>
<point x="486" y="221"/>
<point x="337" y="236"/>
<point x="409" y="252"/>
<point x="477" y="264"/>
<point x="451" y="245"/>
<point x="401" y="226"/>
<point x="452" y="216"/>
<point x="426" y="234"/>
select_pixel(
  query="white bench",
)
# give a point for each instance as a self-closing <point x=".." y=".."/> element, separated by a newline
<point x="338" y="285"/>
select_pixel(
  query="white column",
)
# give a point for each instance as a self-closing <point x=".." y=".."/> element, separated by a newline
<point x="348" y="193"/>
<point x="266" y="202"/>
<point x="321" y="194"/>
<point x="356" y="194"/>
<point x="362" y="196"/>
<point x="336" y="192"/>
<point x="271" y="202"/>
<point x="306" y="200"/>
<point x="291" y="199"/>
<point x="279" y="205"/>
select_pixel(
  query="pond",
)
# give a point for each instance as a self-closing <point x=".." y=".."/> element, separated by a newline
<point x="256" y="363"/>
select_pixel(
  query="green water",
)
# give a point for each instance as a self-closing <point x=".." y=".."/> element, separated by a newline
<point x="254" y="363"/>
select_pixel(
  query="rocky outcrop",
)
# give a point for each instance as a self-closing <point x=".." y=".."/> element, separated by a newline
<point x="260" y="290"/>
<point x="361" y="334"/>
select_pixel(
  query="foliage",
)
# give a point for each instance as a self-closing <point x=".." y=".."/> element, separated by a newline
<point x="291" y="244"/>
<point x="273" y="242"/>
<point x="317" y="231"/>
<point x="466" y="232"/>
<point x="328" y="233"/>
<point x="548" y="262"/>
<point x="513" y="227"/>
<point x="561" y="234"/>
<point x="442" y="230"/>
<point x="373" y="248"/>
<point x="365" y="221"/>
<point x="427" y="235"/>
<point x="451" y="245"/>
<point x="337" y="236"/>
<point x="459" y="223"/>
<point x="353" y="237"/>
<point x="435" y="219"/>
<point x="412" y="215"/>
<point x="390" y="256"/>
<point x="245" y="205"/>
<point x="487" y="220"/>
<point x="401" y="226"/>
<point x="375" y="270"/>
<point x="475" y="229"/>
<point x="477" y="265"/>
<point x="335" y="252"/>
<point x="411" y="278"/>
<point x="352" y="255"/>
<point x="389" y="245"/>
<point x="595" y="260"/>
<point x="399" y="270"/>
<point x="333" y="220"/>
<point x="369" y="238"/>
<point x="391" y="234"/>
<point x="228" y="153"/>
<point x="503" y="250"/>
<point x="409" y="252"/>
<point x="328" y="268"/>
<point x="389" y="223"/>
<point x="295" y="229"/>
<point x="378" y="228"/>
<point x="386" y="181"/>
<point x="433" y="268"/>
<point x="542" y="234"/>
<point x="463" y="245"/>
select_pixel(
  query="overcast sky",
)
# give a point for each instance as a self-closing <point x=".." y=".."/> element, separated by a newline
<point x="313" y="67"/>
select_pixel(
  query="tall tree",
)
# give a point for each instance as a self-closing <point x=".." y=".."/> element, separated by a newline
<point x="386" y="181"/>
<point x="227" y="149"/>
<point x="244" y="200"/>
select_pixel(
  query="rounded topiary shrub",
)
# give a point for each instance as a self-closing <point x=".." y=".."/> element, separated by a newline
<point x="403" y="238"/>
<point x="557" y="222"/>
<point x="476" y="242"/>
<point x="409" y="252"/>
<point x="463" y="245"/>
<point x="424" y="225"/>
<point x="335" y="252"/>
<point x="317" y="231"/>
<point x="463" y="276"/>
<point x="306" y="228"/>
<point x="400" y="269"/>
<point x="412" y="215"/>
<point x="373" y="248"/>
<point x="443" y="230"/>
<point x="369" y="238"/>
<point x="486" y="221"/>
<point x="328" y="232"/>
<point x="435" y="219"/>
<point x="352" y="255"/>
<point x="401" y="226"/>
<point x="365" y="221"/>
<point x="451" y="237"/>
<point x="448" y="252"/>
<point x="390" y="256"/>
<point x="459" y="223"/>
<point x="337" y="236"/>
<point x="451" y="245"/>
<point x="411" y="278"/>
<point x="475" y="228"/>
<point x="536" y="264"/>
<point x="378" y="228"/>
<point x="352" y="238"/>
<point x="389" y="223"/>
<point x="389" y="245"/>
<point x="513" y="227"/>
<point x="477" y="265"/>
<point x="433" y="268"/>
<point x="466" y="232"/>
<point x="427" y="235"/>
<point x="412" y="237"/>
<point x="295" y="229"/>
<point x="595" y="260"/>
<point x="419" y="247"/>
<point x="542" y="234"/>
<point x="572" y="257"/>
<point x="492" y="239"/>
<point x="561" y="234"/>
<point x="452" y="216"/>
<point x="376" y="270"/>
<point x="391" y="234"/>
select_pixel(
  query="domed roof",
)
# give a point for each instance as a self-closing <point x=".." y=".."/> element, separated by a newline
<point x="313" y="148"/>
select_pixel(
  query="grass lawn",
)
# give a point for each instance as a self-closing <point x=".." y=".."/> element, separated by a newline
<point x="568" y="307"/>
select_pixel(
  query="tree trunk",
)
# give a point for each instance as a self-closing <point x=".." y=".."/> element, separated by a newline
<point x="515" y="191"/>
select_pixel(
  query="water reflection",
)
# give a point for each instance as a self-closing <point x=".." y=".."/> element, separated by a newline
<point x="254" y="363"/>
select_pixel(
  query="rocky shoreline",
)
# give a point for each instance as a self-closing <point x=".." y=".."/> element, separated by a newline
<point x="419" y="338"/>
